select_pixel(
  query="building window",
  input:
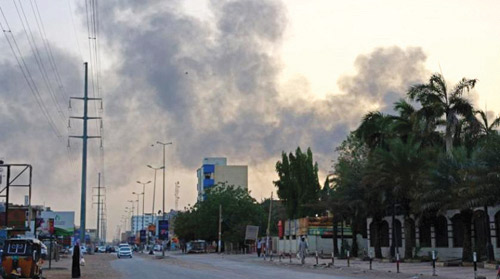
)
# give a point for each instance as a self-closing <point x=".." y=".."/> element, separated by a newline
<point x="458" y="230"/>
<point x="397" y="233"/>
<point x="425" y="233"/>
<point x="384" y="234"/>
<point x="441" y="231"/>
<point x="497" y="227"/>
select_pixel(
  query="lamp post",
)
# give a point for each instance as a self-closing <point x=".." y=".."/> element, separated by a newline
<point x="164" y="167"/>
<point x="132" y="214"/>
<point x="137" y="200"/>
<point x="154" y="187"/>
<point x="143" y="195"/>
<point x="163" y="204"/>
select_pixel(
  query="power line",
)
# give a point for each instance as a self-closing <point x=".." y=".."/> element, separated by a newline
<point x="48" y="49"/>
<point x="38" y="57"/>
<point x="27" y="75"/>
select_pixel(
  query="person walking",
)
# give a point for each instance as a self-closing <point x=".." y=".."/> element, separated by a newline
<point x="259" y="247"/>
<point x="303" y="249"/>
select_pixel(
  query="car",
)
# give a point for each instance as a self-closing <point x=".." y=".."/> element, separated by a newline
<point x="101" y="249"/>
<point x="157" y="248"/>
<point x="124" y="252"/>
<point x="83" y="250"/>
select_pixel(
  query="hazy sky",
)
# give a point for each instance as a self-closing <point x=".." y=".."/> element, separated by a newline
<point x="262" y="77"/>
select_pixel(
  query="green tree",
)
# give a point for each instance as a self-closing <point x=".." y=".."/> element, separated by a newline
<point x="443" y="104"/>
<point x="239" y="209"/>
<point x="298" y="184"/>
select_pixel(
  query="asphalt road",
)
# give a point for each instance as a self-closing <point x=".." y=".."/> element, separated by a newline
<point x="207" y="267"/>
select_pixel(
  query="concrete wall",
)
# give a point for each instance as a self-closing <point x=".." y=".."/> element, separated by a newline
<point x="316" y="243"/>
<point x="232" y="175"/>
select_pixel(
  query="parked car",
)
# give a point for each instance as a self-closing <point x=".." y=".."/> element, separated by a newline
<point x="101" y="249"/>
<point x="83" y="250"/>
<point x="157" y="248"/>
<point x="124" y="252"/>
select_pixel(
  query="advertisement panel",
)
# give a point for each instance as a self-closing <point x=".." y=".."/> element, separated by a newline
<point x="303" y="226"/>
<point x="321" y="226"/>
<point x="251" y="232"/>
<point x="287" y="227"/>
<point x="163" y="229"/>
<point x="281" y="230"/>
<point x="63" y="222"/>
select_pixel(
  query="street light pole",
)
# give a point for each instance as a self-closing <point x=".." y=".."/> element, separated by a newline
<point x="132" y="215"/>
<point x="143" y="196"/>
<point x="137" y="200"/>
<point x="164" y="167"/>
<point x="154" y="187"/>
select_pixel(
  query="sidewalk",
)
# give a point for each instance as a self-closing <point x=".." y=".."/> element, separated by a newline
<point x="388" y="270"/>
<point x="97" y="266"/>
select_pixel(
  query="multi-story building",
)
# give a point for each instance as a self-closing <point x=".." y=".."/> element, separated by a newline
<point x="136" y="222"/>
<point x="215" y="171"/>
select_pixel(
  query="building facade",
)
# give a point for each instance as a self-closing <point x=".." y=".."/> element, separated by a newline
<point x="215" y="171"/>
<point x="137" y="224"/>
<point x="443" y="234"/>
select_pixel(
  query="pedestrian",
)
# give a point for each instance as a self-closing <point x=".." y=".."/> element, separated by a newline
<point x="303" y="249"/>
<point x="498" y="273"/>
<point x="75" y="267"/>
<point x="259" y="247"/>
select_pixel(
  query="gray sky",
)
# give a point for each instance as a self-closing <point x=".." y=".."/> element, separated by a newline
<point x="241" y="79"/>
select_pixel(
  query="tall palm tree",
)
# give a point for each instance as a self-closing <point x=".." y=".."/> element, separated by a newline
<point x="487" y="129"/>
<point x="440" y="102"/>
<point x="403" y="166"/>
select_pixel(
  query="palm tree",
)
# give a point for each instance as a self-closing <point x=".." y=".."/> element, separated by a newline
<point x="403" y="166"/>
<point x="438" y="101"/>
<point x="487" y="129"/>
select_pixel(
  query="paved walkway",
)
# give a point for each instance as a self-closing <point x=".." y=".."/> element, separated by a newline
<point x="407" y="270"/>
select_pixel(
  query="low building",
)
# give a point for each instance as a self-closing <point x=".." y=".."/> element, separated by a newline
<point x="443" y="233"/>
<point x="215" y="171"/>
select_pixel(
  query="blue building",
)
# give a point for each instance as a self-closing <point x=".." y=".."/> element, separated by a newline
<point x="215" y="171"/>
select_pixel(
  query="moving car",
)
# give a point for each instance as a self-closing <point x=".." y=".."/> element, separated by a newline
<point x="196" y="246"/>
<point x="124" y="251"/>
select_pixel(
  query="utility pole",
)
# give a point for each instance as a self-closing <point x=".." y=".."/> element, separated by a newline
<point x="84" y="138"/>
<point x="268" y="231"/>
<point x="220" y="228"/>
<point x="98" y="205"/>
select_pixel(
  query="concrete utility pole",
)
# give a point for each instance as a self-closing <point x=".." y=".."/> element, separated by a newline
<point x="268" y="231"/>
<point x="220" y="228"/>
<point x="176" y="195"/>
<point x="84" y="138"/>
<point x="98" y="204"/>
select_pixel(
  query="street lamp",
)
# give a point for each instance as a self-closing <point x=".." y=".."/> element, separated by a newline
<point x="163" y="204"/>
<point x="154" y="187"/>
<point x="131" y="214"/>
<point x="164" y="167"/>
<point x="143" y="195"/>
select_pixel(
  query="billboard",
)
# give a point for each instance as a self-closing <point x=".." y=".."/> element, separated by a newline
<point x="163" y="229"/>
<point x="64" y="222"/>
<point x="251" y="232"/>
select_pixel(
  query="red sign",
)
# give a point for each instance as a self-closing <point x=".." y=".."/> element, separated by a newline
<point x="280" y="229"/>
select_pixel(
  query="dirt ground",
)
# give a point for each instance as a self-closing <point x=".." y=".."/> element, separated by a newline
<point x="96" y="266"/>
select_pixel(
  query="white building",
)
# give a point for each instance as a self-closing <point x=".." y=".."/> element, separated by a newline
<point x="215" y="171"/>
<point x="137" y="224"/>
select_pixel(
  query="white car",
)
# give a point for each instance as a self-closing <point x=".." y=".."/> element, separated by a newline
<point x="83" y="250"/>
<point x="101" y="249"/>
<point x="124" y="251"/>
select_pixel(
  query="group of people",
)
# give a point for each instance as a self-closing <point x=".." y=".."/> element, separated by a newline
<point x="303" y="246"/>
